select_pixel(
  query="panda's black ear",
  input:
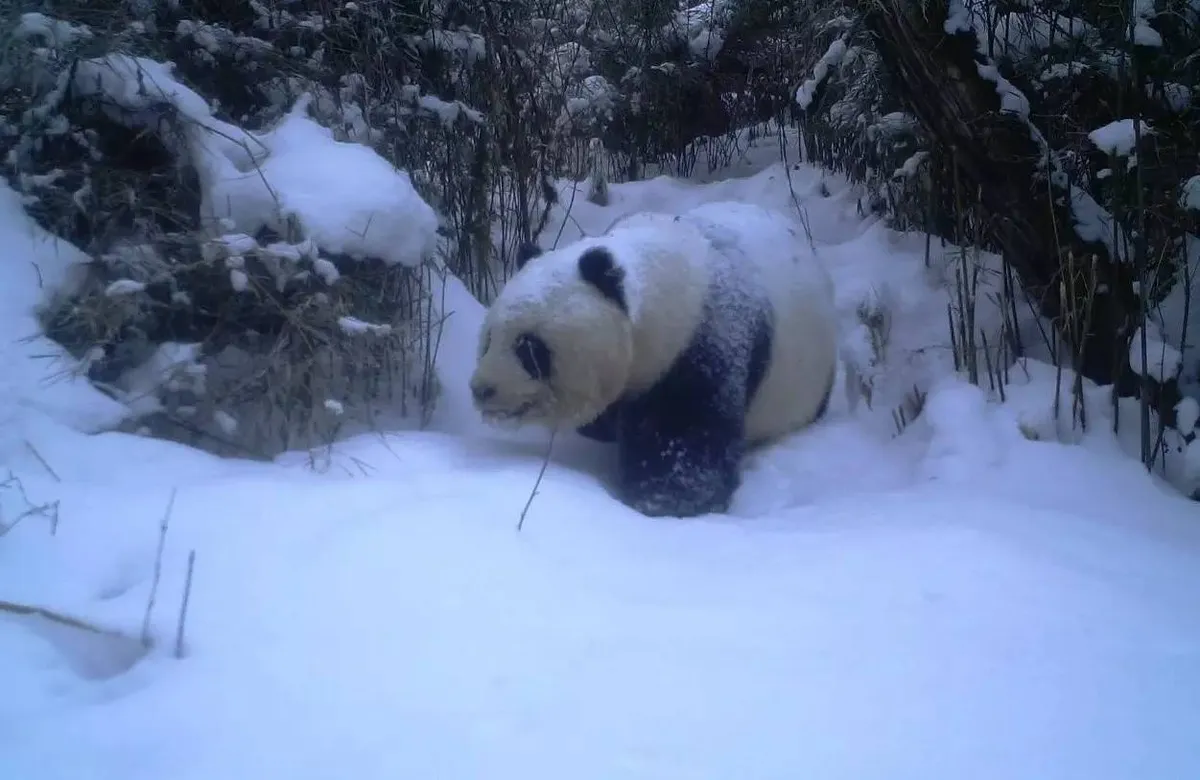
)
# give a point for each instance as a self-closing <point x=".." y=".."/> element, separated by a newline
<point x="526" y="251"/>
<point x="598" y="268"/>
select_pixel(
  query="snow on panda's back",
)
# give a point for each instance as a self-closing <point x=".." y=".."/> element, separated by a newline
<point x="762" y="238"/>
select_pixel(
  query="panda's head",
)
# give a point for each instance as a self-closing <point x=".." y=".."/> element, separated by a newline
<point x="557" y="343"/>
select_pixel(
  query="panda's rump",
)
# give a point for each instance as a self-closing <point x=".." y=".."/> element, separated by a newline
<point x="803" y="362"/>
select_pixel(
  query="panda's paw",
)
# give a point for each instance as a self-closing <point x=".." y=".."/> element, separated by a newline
<point x="679" y="506"/>
<point x="684" y="493"/>
<point x="679" y="468"/>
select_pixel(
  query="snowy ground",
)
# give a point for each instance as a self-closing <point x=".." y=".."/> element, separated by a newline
<point x="968" y="598"/>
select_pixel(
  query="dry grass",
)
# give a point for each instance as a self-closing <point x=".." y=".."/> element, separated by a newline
<point x="287" y="360"/>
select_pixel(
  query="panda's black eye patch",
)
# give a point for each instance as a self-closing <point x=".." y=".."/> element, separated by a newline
<point x="534" y="355"/>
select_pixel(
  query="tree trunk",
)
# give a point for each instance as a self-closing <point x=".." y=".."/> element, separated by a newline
<point x="999" y="163"/>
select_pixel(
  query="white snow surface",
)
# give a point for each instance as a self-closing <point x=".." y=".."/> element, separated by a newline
<point x="1118" y="138"/>
<point x="985" y="595"/>
<point x="1175" y="320"/>
<point x="37" y="376"/>
<point x="1143" y="33"/>
<point x="702" y="26"/>
<point x="53" y="32"/>
<point x="347" y="198"/>
<point x="832" y="58"/>
<point x="1189" y="196"/>
<point x="1159" y="360"/>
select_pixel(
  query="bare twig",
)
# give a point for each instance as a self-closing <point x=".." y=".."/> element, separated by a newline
<point x="183" y="607"/>
<point x="33" y="450"/>
<point x="538" y="482"/>
<point x="14" y="608"/>
<point x="158" y="558"/>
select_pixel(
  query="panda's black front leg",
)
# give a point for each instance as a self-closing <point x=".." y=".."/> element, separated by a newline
<point x="680" y="455"/>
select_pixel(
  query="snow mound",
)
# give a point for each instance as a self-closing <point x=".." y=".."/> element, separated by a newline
<point x="343" y="196"/>
<point x="1118" y="138"/>
<point x="1189" y="195"/>
<point x="1159" y="360"/>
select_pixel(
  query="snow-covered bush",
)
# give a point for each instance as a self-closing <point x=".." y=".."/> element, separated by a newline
<point x="1060" y="137"/>
<point x="242" y="281"/>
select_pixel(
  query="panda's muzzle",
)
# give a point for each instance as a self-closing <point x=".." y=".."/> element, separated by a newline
<point x="485" y="397"/>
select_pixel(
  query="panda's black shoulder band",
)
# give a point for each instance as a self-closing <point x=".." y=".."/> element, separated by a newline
<point x="599" y="268"/>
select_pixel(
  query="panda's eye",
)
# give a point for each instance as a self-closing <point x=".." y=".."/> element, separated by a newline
<point x="533" y="354"/>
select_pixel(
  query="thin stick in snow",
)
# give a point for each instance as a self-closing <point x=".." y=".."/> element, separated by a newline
<point x="41" y="460"/>
<point x="162" y="542"/>
<point x="538" y="482"/>
<point x="183" y="607"/>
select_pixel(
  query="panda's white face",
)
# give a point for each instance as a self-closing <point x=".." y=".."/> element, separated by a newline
<point x="553" y="351"/>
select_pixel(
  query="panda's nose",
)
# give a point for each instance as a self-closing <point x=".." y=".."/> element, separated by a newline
<point x="483" y="393"/>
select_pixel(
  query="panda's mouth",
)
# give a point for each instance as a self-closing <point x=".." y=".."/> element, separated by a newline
<point x="521" y="411"/>
<point x="511" y="415"/>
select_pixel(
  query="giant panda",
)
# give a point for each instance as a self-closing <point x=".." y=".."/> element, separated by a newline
<point x="685" y="339"/>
